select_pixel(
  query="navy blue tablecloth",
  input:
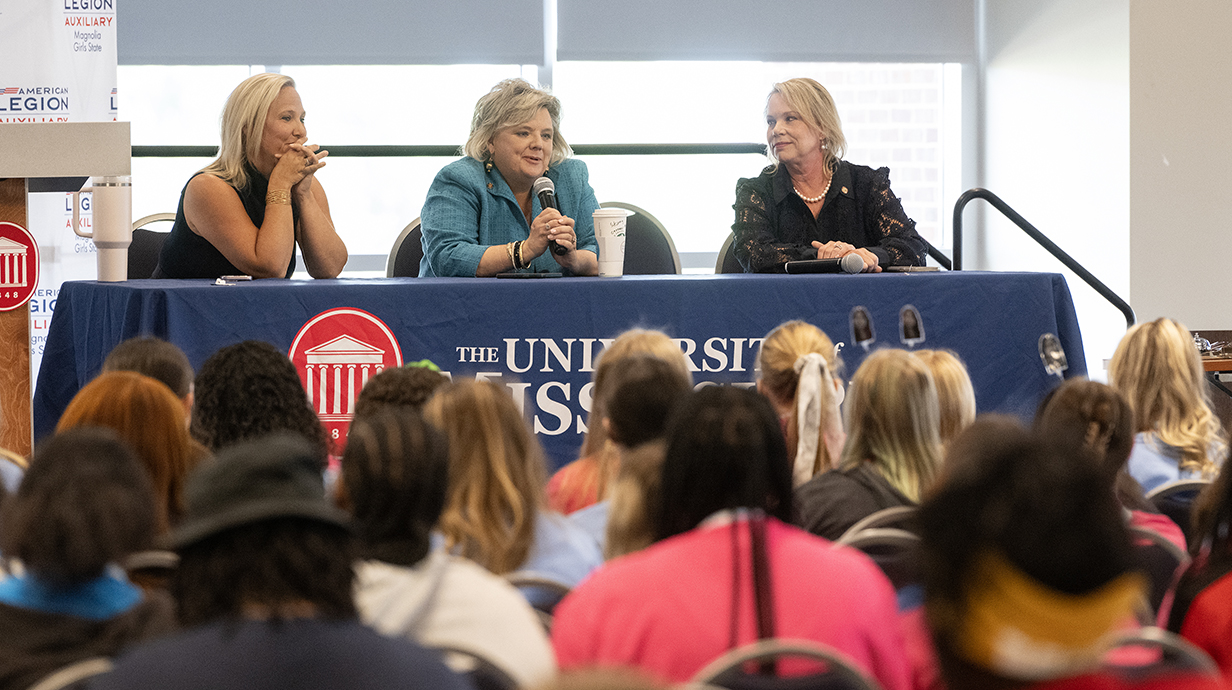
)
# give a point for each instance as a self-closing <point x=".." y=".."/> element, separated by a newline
<point x="545" y="333"/>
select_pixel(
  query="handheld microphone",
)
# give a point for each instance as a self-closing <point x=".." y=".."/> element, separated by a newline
<point x="851" y="263"/>
<point x="545" y="189"/>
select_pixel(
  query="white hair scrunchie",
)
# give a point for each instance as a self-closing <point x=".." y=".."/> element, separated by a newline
<point x="813" y="373"/>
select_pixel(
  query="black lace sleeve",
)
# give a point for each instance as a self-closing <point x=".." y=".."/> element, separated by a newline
<point x="757" y="245"/>
<point x="895" y="232"/>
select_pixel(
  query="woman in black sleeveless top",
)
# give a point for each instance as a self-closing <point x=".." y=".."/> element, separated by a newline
<point x="244" y="213"/>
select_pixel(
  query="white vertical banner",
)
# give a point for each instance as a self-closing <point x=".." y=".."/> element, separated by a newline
<point x="57" y="64"/>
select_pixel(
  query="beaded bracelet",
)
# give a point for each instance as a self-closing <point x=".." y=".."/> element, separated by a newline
<point x="278" y="197"/>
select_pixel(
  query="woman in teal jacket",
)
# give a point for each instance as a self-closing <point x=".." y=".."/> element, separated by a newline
<point x="481" y="217"/>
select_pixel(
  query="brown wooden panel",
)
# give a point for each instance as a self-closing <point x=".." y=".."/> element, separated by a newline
<point x="15" y="422"/>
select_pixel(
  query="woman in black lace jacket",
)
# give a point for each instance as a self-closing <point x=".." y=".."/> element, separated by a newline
<point x="811" y="204"/>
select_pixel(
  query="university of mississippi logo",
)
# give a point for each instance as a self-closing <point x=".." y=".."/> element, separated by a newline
<point x="336" y="353"/>
<point x="19" y="266"/>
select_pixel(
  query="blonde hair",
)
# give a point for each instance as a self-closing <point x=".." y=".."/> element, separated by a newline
<point x="635" y="341"/>
<point x="892" y="421"/>
<point x="780" y="351"/>
<point x="509" y="104"/>
<point x="146" y="414"/>
<point x="1158" y="370"/>
<point x="496" y="474"/>
<point x="243" y="124"/>
<point x="955" y="395"/>
<point x="816" y="107"/>
<point x="634" y="494"/>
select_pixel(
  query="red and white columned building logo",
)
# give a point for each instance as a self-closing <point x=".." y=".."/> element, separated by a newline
<point x="19" y="266"/>
<point x="336" y="353"/>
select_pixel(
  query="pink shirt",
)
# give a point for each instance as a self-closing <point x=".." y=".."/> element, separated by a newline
<point x="667" y="609"/>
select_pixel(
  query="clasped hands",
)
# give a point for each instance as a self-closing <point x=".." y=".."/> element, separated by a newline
<point x="837" y="250"/>
<point x="297" y="165"/>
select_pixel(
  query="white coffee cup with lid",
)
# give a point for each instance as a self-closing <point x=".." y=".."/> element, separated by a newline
<point x="610" y="235"/>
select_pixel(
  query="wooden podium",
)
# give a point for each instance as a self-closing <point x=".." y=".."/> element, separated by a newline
<point x="70" y="152"/>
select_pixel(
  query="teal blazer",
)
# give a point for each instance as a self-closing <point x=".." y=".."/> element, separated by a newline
<point x="469" y="210"/>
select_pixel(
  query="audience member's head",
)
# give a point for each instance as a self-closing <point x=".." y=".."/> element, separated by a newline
<point x="800" y="375"/>
<point x="632" y="342"/>
<point x="639" y="396"/>
<point x="158" y="359"/>
<point x="955" y="395"/>
<point x="893" y="421"/>
<point x="395" y="474"/>
<point x="639" y="399"/>
<point x="1090" y="415"/>
<point x="405" y="386"/>
<point x="260" y="540"/>
<point x="497" y="474"/>
<point x="1026" y="559"/>
<point x="148" y="416"/>
<point x="724" y="451"/>
<point x="1159" y="371"/>
<point x="84" y="503"/>
<point x="248" y="390"/>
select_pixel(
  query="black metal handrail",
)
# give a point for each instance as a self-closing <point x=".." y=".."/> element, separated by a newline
<point x="1032" y="232"/>
<point x="939" y="257"/>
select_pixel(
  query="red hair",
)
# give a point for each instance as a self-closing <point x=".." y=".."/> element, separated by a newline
<point x="148" y="416"/>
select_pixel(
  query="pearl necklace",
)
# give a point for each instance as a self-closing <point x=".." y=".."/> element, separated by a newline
<point x="814" y="199"/>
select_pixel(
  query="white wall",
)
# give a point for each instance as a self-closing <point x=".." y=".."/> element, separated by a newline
<point x="1181" y="157"/>
<point x="1056" y="149"/>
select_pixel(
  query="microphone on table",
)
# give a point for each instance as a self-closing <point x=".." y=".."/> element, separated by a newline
<point x="545" y="189"/>
<point x="852" y="263"/>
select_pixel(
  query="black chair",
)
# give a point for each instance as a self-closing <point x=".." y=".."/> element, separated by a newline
<point x="1175" y="499"/>
<point x="1160" y="559"/>
<point x="732" y="670"/>
<point x="727" y="262"/>
<point x="151" y="569"/>
<point x="543" y="593"/>
<point x="1175" y="654"/>
<point x="406" y="253"/>
<point x="902" y="517"/>
<point x="483" y="674"/>
<point x="649" y="249"/>
<point x="74" y="676"/>
<point x="895" y="551"/>
<point x="147" y="245"/>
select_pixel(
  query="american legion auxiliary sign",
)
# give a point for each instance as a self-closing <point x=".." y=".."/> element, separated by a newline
<point x="19" y="266"/>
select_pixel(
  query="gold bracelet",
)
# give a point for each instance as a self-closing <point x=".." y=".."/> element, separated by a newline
<point x="509" y="251"/>
<point x="522" y="260"/>
<point x="278" y="197"/>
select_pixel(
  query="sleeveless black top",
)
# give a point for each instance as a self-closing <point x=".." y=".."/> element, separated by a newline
<point x="189" y="255"/>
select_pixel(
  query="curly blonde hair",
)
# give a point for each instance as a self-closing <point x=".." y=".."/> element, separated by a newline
<point x="1158" y="370"/>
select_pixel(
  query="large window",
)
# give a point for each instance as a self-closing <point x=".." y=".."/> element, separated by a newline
<point x="905" y="116"/>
